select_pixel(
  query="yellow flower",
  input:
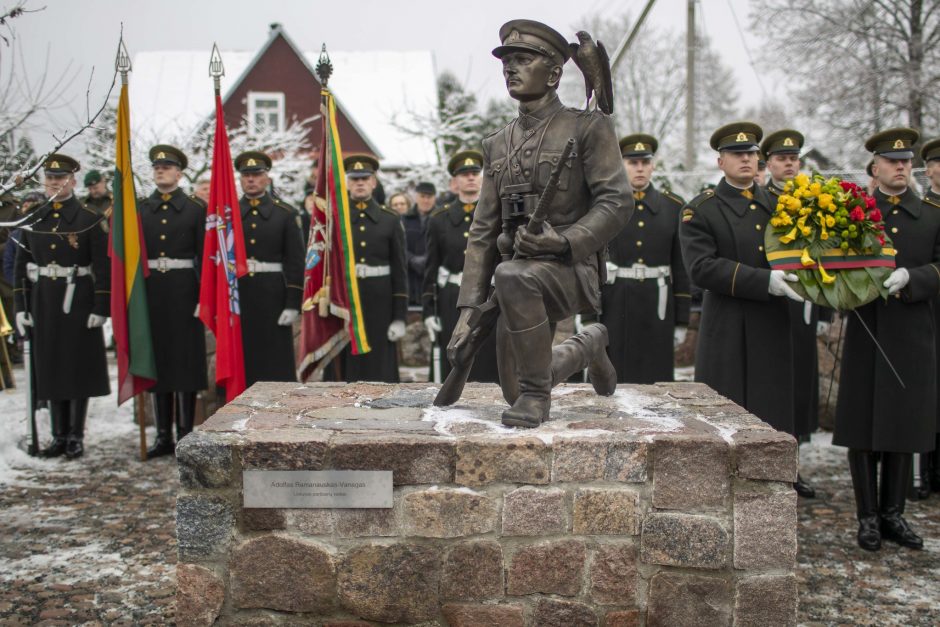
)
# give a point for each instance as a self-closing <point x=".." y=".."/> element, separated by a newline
<point x="805" y="259"/>
<point x="806" y="231"/>
<point x="798" y="193"/>
<point x="823" y="236"/>
<point x="793" y="203"/>
<point x="825" y="202"/>
<point x="830" y="221"/>
<point x="788" y="186"/>
<point x="789" y="237"/>
<point x="826" y="277"/>
<point x="802" y="180"/>
<point x="814" y="189"/>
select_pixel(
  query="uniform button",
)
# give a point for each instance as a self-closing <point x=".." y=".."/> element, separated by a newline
<point x="527" y="153"/>
<point x="163" y="221"/>
<point x="362" y="260"/>
<point x="362" y="216"/>
<point x="760" y="248"/>
<point x="362" y="228"/>
<point x="639" y="207"/>
<point x="252" y="240"/>
<point x="163" y="207"/>
<point x="56" y="215"/>
<point x="251" y="274"/>
<point x="52" y="246"/>
<point x="254" y="212"/>
<point x="895" y="212"/>
<point x="639" y="260"/>
<point x="641" y="224"/>
<point x="894" y="229"/>
<point x="162" y="236"/>
<point x="527" y="172"/>
<point x="466" y="218"/>
<point x="466" y="234"/>
<point x="639" y="243"/>
<point x="362" y="244"/>
<point x="758" y="227"/>
<point x="253" y="225"/>
<point x="162" y="254"/>
<point x="752" y="206"/>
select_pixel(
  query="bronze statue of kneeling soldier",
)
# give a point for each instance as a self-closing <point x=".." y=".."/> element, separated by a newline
<point x="554" y="193"/>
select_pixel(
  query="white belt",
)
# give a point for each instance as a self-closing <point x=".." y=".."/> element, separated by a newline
<point x="363" y="271"/>
<point x="445" y="276"/>
<point x="55" y="271"/>
<point x="264" y="266"/>
<point x="640" y="272"/>
<point x="162" y="264"/>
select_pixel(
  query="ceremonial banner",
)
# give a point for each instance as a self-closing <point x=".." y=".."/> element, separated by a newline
<point x="223" y="262"/>
<point x="332" y="311"/>
<point x="137" y="370"/>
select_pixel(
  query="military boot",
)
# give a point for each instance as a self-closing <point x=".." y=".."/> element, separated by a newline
<point x="75" y="442"/>
<point x="59" y="421"/>
<point x="163" y="417"/>
<point x="863" y="466"/>
<point x="185" y="414"/>
<point x="587" y="349"/>
<point x="533" y="358"/>
<point x="895" y="478"/>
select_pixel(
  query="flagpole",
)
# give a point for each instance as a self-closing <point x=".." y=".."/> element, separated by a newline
<point x="122" y="64"/>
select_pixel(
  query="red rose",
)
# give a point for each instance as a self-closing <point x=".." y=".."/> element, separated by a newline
<point x="857" y="215"/>
<point x="881" y="227"/>
<point x="849" y="187"/>
<point x="875" y="215"/>
<point x="882" y="240"/>
<point x="869" y="202"/>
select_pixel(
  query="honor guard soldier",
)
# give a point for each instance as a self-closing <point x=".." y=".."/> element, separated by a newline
<point x="744" y="350"/>
<point x="99" y="198"/>
<point x="877" y="416"/>
<point x="782" y="151"/>
<point x="930" y="463"/>
<point x="646" y="298"/>
<point x="448" y="231"/>
<point x="270" y="294"/>
<point x="555" y="271"/>
<point x="416" y="231"/>
<point x="174" y="227"/>
<point x="379" y="247"/>
<point x="62" y="292"/>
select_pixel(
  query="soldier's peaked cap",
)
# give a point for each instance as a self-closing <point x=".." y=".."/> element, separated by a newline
<point x="164" y="154"/>
<point x="894" y="143"/>
<point x="532" y="36"/>
<point x="465" y="161"/>
<point x="252" y="161"/>
<point x="737" y="137"/>
<point x="360" y="165"/>
<point x="782" y="142"/>
<point x="57" y="163"/>
<point x="638" y="145"/>
<point x="931" y="150"/>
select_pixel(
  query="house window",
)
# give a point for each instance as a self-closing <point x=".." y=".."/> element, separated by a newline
<point x="266" y="110"/>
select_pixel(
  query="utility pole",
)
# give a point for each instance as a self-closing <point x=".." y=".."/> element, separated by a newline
<point x="690" y="86"/>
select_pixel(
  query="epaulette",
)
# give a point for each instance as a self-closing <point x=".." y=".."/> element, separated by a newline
<point x="441" y="210"/>
<point x="391" y="211"/>
<point x="283" y="205"/>
<point x="668" y="194"/>
<point x="688" y="212"/>
<point x="930" y="201"/>
<point x="199" y="201"/>
<point x="89" y="210"/>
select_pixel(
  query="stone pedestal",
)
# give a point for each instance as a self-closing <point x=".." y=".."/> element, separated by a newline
<point x="662" y="505"/>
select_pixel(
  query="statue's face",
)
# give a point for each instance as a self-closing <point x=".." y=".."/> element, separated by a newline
<point x="528" y="75"/>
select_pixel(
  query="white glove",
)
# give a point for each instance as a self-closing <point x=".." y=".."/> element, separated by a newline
<point x="822" y="329"/>
<point x="196" y="311"/>
<point x="287" y="317"/>
<point x="433" y="325"/>
<point x="611" y="273"/>
<point x="23" y="320"/>
<point x="898" y="280"/>
<point x="779" y="287"/>
<point x="95" y="321"/>
<point x="396" y="330"/>
<point x="678" y="335"/>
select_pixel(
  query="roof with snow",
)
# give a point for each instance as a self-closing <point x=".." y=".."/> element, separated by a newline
<point x="172" y="95"/>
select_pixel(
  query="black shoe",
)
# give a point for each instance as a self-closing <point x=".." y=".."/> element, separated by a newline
<point x="804" y="489"/>
<point x="869" y="536"/>
<point x="74" y="448"/>
<point x="160" y="448"/>
<point x="56" y="448"/>
<point x="896" y="529"/>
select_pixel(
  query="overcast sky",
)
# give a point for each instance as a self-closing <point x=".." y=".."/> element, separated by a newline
<point x="79" y="35"/>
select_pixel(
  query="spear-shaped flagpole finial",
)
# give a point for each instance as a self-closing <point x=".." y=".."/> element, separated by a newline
<point x="216" y="69"/>
<point x="122" y="62"/>
<point x="324" y="67"/>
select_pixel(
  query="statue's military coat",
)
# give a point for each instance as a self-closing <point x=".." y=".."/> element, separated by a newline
<point x="744" y="350"/>
<point x="175" y="228"/>
<point x="448" y="231"/>
<point x="69" y="357"/>
<point x="378" y="240"/>
<point x="641" y="345"/>
<point x="272" y="234"/>
<point x="874" y="412"/>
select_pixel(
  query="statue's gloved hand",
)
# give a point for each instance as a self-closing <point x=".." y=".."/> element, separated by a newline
<point x="461" y="330"/>
<point x="678" y="335"/>
<point x="433" y="325"/>
<point x="287" y="317"/>
<point x="396" y="330"/>
<point x="23" y="320"/>
<point x="822" y="328"/>
<point x="548" y="242"/>
<point x="95" y="321"/>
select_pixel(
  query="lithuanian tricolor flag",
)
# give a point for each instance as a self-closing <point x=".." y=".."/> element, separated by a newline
<point x="332" y="310"/>
<point x="130" y="318"/>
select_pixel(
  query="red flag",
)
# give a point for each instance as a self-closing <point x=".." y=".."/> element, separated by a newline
<point x="223" y="262"/>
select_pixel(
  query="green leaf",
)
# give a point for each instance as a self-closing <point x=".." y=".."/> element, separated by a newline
<point x="859" y="282"/>
<point x="809" y="285"/>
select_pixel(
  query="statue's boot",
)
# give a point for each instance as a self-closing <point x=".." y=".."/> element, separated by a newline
<point x="587" y="349"/>
<point x="163" y="416"/>
<point x="533" y="358"/>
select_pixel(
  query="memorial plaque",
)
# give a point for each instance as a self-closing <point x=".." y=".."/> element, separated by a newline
<point x="317" y="489"/>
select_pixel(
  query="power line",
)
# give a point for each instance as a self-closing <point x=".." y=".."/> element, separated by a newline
<point x="747" y="50"/>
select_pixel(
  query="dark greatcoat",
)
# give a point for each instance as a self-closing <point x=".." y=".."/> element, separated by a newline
<point x="641" y="345"/>
<point x="933" y="200"/>
<point x="448" y="230"/>
<point x="378" y="240"/>
<point x="874" y="412"/>
<point x="416" y="229"/>
<point x="69" y="357"/>
<point x="744" y="350"/>
<point x="175" y="228"/>
<point x="272" y="234"/>
<point x="805" y="357"/>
